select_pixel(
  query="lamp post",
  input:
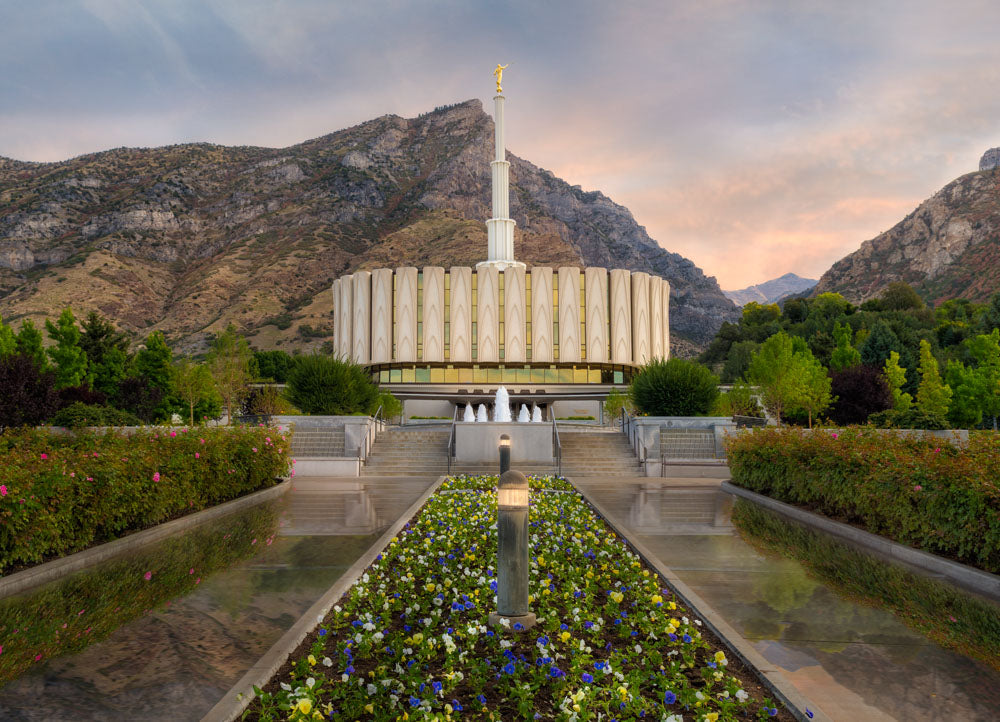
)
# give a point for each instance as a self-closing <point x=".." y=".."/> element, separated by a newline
<point x="504" y="454"/>
<point x="512" y="552"/>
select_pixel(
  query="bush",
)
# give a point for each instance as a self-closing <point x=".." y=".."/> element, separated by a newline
<point x="329" y="386"/>
<point x="27" y="394"/>
<point x="61" y="494"/>
<point x="738" y="401"/>
<point x="860" y="391"/>
<point x="674" y="388"/>
<point x="392" y="407"/>
<point x="78" y="414"/>
<point x="909" y="419"/>
<point x="920" y="491"/>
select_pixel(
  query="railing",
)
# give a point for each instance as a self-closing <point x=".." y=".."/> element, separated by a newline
<point x="371" y="435"/>
<point x="451" y="439"/>
<point x="629" y="427"/>
<point x="556" y="446"/>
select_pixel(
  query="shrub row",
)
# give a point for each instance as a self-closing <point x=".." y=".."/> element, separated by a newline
<point x="918" y="491"/>
<point x="61" y="494"/>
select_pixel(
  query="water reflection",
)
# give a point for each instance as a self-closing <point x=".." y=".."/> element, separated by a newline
<point x="851" y="660"/>
<point x="179" y="652"/>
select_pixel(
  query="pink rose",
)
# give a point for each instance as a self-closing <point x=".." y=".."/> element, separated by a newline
<point x="156" y="476"/>
<point x="44" y="457"/>
<point x="917" y="487"/>
<point x="173" y="434"/>
<point x="191" y="570"/>
<point x="3" y="490"/>
<point x="197" y="455"/>
<point x="147" y="576"/>
<point x="833" y="435"/>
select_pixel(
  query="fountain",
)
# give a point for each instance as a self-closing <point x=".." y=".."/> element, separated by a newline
<point x="468" y="415"/>
<point x="522" y="415"/>
<point x="501" y="409"/>
<point x="536" y="414"/>
<point x="481" y="413"/>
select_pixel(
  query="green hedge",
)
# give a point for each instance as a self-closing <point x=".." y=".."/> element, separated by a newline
<point x="61" y="494"/>
<point x="922" y="492"/>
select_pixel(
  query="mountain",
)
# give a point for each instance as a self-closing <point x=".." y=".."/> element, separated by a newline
<point x="949" y="247"/>
<point x="188" y="238"/>
<point x="771" y="291"/>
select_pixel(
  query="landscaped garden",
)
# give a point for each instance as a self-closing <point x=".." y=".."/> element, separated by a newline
<point x="410" y="639"/>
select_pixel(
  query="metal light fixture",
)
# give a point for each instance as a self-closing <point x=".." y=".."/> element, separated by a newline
<point x="512" y="552"/>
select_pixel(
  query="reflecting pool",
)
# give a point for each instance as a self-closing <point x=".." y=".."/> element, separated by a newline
<point x="216" y="598"/>
<point x="854" y="662"/>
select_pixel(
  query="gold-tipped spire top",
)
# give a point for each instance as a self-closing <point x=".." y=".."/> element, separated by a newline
<point x="499" y="73"/>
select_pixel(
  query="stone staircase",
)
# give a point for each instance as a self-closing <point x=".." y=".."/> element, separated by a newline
<point x="598" y="452"/>
<point x="687" y="444"/>
<point x="318" y="442"/>
<point x="404" y="452"/>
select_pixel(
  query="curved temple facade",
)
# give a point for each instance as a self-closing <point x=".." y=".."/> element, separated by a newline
<point x="492" y="325"/>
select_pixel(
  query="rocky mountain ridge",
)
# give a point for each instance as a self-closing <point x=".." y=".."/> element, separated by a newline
<point x="771" y="291"/>
<point x="188" y="238"/>
<point x="948" y="247"/>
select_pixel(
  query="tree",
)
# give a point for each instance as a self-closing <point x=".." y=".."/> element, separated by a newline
<point x="845" y="355"/>
<point x="27" y="394"/>
<point x="881" y="342"/>
<point x="813" y="393"/>
<point x="789" y="377"/>
<point x="861" y="391"/>
<point x="67" y="355"/>
<point x="895" y="376"/>
<point x="968" y="390"/>
<point x="991" y="316"/>
<point x="899" y="296"/>
<point x="933" y="395"/>
<point x="828" y="306"/>
<point x="674" y="388"/>
<point x="615" y="402"/>
<point x="107" y="352"/>
<point x="153" y="363"/>
<point x="324" y="385"/>
<point x="193" y="384"/>
<point x="272" y="365"/>
<point x="976" y="388"/>
<point x="29" y="342"/>
<point x="738" y="361"/>
<point x="8" y="341"/>
<point x="138" y="396"/>
<point x="230" y="364"/>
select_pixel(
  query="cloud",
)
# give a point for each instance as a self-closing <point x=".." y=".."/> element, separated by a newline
<point x="753" y="138"/>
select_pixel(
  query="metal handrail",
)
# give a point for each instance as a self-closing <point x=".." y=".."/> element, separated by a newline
<point x="371" y="435"/>
<point x="451" y="439"/>
<point x="557" y="446"/>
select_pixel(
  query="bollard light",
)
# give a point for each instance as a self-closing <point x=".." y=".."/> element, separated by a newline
<point x="512" y="552"/>
<point x="504" y="454"/>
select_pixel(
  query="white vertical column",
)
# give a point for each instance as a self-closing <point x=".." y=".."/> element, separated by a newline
<point x="382" y="315"/>
<point x="666" y="319"/>
<point x="569" y="314"/>
<point x="346" y="318"/>
<point x="541" y="314"/>
<point x="335" y="292"/>
<point x="621" y="316"/>
<point x="655" y="317"/>
<point x="460" y="314"/>
<point x="361" y="348"/>
<point x="596" y="291"/>
<point x="640" y="318"/>
<point x="406" y="314"/>
<point x="488" y="314"/>
<point x="514" y="316"/>
<point x="500" y="228"/>
<point x="433" y="346"/>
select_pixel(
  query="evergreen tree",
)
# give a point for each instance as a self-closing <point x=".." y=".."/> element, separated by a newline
<point x="881" y="342"/>
<point x="29" y="343"/>
<point x="933" y="394"/>
<point x="67" y="355"/>
<point x="899" y="296"/>
<point x="153" y="361"/>
<point x="153" y="366"/>
<point x="845" y="355"/>
<point x="895" y="375"/>
<point x="991" y="316"/>
<point x="107" y="352"/>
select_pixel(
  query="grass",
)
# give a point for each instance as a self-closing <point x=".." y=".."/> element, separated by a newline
<point x="945" y="614"/>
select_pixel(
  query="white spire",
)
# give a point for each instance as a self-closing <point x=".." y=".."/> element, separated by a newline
<point x="500" y="228"/>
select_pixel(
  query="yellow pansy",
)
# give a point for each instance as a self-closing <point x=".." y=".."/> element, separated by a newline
<point x="720" y="657"/>
<point x="565" y="636"/>
<point x="304" y="706"/>
<point x="312" y="660"/>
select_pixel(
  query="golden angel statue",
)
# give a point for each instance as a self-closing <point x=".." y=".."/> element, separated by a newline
<point x="499" y="73"/>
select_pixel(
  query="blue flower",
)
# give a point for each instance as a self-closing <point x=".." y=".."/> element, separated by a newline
<point x="809" y="713"/>
<point x="669" y="697"/>
<point x="456" y="705"/>
<point x="555" y="672"/>
<point x="587" y="677"/>
<point x="414" y="702"/>
<point x="481" y="698"/>
<point x="771" y="711"/>
<point x="322" y="632"/>
<point x="542" y="641"/>
<point x="518" y="626"/>
<point x="508" y="668"/>
<point x="687" y="638"/>
<point x="588" y="624"/>
<point x="436" y="686"/>
<point x="598" y="665"/>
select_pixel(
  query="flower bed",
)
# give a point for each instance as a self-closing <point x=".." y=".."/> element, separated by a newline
<point x="918" y="491"/>
<point x="62" y="494"/>
<point x="68" y="615"/>
<point x="410" y="639"/>
<point x="488" y="482"/>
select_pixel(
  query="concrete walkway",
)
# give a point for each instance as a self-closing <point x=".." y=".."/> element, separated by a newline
<point x="853" y="662"/>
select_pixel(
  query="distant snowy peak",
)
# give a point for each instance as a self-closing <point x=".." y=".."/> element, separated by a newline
<point x="771" y="291"/>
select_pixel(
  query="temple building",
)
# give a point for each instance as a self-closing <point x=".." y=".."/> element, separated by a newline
<point x="557" y="337"/>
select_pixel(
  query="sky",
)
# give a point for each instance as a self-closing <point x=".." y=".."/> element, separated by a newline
<point x="755" y="138"/>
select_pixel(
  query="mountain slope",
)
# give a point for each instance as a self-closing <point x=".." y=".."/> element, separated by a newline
<point x="188" y="238"/>
<point x="771" y="291"/>
<point x="948" y="247"/>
